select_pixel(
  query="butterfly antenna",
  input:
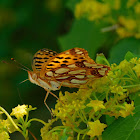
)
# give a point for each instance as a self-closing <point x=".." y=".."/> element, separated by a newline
<point x="27" y="69"/>
<point x="16" y="66"/>
<point x="23" y="81"/>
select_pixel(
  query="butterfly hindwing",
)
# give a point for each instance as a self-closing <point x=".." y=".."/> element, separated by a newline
<point x="41" y="57"/>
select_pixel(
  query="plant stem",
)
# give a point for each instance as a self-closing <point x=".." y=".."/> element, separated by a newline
<point x="38" y="120"/>
<point x="10" y="118"/>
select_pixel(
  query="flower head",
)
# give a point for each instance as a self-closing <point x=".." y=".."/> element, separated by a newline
<point x="137" y="69"/>
<point x="45" y="129"/>
<point x="19" y="111"/>
<point x="127" y="110"/>
<point x="96" y="128"/>
<point x="118" y="89"/>
<point x="124" y="65"/>
<point x="4" y="135"/>
<point x="134" y="60"/>
<point x="8" y="125"/>
<point x="97" y="105"/>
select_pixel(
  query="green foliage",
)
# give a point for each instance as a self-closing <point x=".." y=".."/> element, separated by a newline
<point x="122" y="129"/>
<point x="90" y="39"/>
<point x="122" y="47"/>
<point x="108" y="27"/>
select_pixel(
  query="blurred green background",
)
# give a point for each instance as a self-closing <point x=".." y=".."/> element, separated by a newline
<point x="26" y="27"/>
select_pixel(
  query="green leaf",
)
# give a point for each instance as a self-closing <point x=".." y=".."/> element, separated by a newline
<point x="124" y="128"/>
<point x="100" y="59"/>
<point x="129" y="56"/>
<point x="118" y="51"/>
<point x="137" y="98"/>
<point x="84" y="34"/>
<point x="109" y="120"/>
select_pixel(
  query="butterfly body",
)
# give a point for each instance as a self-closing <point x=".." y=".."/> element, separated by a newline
<point x="44" y="83"/>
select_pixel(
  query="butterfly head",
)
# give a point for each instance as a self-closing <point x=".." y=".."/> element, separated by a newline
<point x="32" y="77"/>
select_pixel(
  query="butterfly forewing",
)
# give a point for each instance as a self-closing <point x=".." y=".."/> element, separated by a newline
<point x="41" y="57"/>
<point x="72" y="68"/>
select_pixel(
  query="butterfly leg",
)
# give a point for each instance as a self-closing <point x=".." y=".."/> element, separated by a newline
<point x="56" y="97"/>
<point x="46" y="104"/>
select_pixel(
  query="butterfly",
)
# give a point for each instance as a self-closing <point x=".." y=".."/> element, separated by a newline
<point x="71" y="68"/>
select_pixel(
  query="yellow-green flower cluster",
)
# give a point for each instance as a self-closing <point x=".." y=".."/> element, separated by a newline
<point x="46" y="128"/>
<point x="124" y="14"/>
<point x="128" y="27"/>
<point x="20" y="124"/>
<point x="94" y="10"/>
<point x="96" y="128"/>
<point x="96" y="105"/>
<point x="127" y="110"/>
<point x="118" y="90"/>
<point x="104" y="96"/>
<point x="19" y="111"/>
<point x="3" y="133"/>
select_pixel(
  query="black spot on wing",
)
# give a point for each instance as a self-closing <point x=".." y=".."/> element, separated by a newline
<point x="56" y="61"/>
<point x="65" y="61"/>
<point x="59" y="57"/>
<point x="63" y="65"/>
<point x="96" y="73"/>
<point x="80" y="64"/>
<point x="50" y="65"/>
<point x="37" y="65"/>
<point x="67" y="58"/>
<point x="38" y="58"/>
<point x="39" y="62"/>
<point x="45" y="58"/>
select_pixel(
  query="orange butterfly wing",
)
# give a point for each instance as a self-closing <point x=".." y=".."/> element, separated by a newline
<point x="41" y="57"/>
<point x="72" y="68"/>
